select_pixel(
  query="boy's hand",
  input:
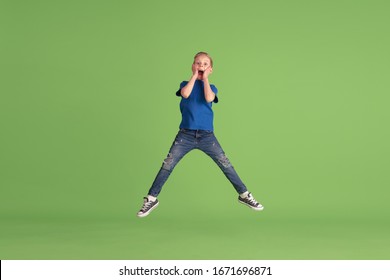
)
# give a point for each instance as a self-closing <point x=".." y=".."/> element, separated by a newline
<point x="207" y="72"/>
<point x="194" y="70"/>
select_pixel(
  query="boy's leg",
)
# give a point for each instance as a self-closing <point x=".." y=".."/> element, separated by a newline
<point x="180" y="147"/>
<point x="212" y="148"/>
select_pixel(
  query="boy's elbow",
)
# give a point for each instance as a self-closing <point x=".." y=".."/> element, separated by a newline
<point x="184" y="94"/>
<point x="210" y="99"/>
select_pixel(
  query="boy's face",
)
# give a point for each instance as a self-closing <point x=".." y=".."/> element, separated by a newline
<point x="201" y="64"/>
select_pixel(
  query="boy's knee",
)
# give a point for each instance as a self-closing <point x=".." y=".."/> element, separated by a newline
<point x="168" y="162"/>
<point x="222" y="159"/>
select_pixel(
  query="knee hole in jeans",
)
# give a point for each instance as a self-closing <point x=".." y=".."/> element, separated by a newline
<point x="224" y="161"/>
<point x="167" y="163"/>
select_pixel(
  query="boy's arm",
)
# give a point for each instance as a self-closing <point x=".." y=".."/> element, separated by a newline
<point x="187" y="89"/>
<point x="209" y="95"/>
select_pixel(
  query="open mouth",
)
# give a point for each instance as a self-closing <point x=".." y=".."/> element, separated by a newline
<point x="200" y="72"/>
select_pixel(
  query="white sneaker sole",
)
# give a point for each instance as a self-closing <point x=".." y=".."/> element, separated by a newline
<point x="142" y="215"/>
<point x="254" y="208"/>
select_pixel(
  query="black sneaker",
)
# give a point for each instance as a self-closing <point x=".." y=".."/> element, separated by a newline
<point x="147" y="207"/>
<point x="251" y="202"/>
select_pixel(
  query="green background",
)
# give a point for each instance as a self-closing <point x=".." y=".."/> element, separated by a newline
<point x="88" y="113"/>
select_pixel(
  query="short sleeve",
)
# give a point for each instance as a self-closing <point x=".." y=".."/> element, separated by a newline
<point x="215" y="90"/>
<point x="182" y="84"/>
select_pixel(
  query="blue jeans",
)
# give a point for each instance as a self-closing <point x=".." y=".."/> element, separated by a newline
<point x="186" y="140"/>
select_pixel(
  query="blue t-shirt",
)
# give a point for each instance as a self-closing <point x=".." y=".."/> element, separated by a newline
<point x="196" y="112"/>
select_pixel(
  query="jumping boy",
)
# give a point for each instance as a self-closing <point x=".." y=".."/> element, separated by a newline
<point x="196" y="132"/>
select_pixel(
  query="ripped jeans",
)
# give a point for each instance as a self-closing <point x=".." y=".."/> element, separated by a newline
<point x="186" y="140"/>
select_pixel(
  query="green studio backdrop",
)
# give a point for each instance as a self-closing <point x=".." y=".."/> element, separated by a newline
<point x="88" y="113"/>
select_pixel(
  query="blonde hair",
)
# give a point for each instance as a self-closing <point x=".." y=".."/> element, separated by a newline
<point x="206" y="54"/>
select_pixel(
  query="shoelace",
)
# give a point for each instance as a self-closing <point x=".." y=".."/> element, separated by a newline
<point x="146" y="206"/>
<point x="251" y="200"/>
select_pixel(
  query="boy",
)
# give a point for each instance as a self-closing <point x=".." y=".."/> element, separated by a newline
<point x="196" y="132"/>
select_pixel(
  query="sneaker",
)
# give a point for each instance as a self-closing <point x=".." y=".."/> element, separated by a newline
<point x="147" y="207"/>
<point x="251" y="202"/>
